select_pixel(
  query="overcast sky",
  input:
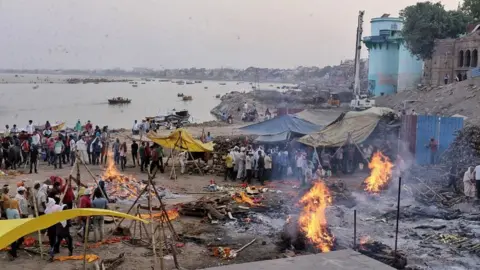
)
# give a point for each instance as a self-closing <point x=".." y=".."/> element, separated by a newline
<point x="183" y="33"/>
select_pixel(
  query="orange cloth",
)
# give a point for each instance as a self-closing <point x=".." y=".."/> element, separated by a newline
<point x="90" y="258"/>
<point x="20" y="184"/>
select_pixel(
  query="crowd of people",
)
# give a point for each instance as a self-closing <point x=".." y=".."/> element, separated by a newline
<point x="52" y="196"/>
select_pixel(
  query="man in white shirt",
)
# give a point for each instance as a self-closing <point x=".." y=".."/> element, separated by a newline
<point x="29" y="128"/>
<point x="135" y="128"/>
<point x="73" y="150"/>
<point x="35" y="139"/>
<point x="81" y="147"/>
<point x="477" y="180"/>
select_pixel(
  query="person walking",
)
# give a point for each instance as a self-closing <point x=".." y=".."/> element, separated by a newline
<point x="228" y="166"/>
<point x="141" y="152"/>
<point x="62" y="230"/>
<point x="452" y="178"/>
<point x="248" y="167"/>
<point x="469" y="188"/>
<point x="157" y="159"/>
<point x="25" y="147"/>
<point x="81" y="147"/>
<point x="85" y="202"/>
<point x="59" y="148"/>
<point x="116" y="151"/>
<point x="22" y="202"/>
<point x="148" y="155"/>
<point x="52" y="207"/>
<point x="99" y="202"/>
<point x="268" y="167"/>
<point x="123" y="155"/>
<point x="182" y="158"/>
<point x="134" y="149"/>
<point x="96" y="149"/>
<point x="73" y="149"/>
<point x="433" y="146"/>
<point x="11" y="211"/>
<point x="261" y="167"/>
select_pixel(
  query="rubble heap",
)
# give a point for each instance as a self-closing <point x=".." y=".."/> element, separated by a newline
<point x="465" y="150"/>
<point x="383" y="253"/>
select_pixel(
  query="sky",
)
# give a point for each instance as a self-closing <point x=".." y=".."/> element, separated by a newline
<point x="92" y="34"/>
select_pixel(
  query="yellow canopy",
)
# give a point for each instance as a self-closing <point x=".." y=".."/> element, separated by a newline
<point x="12" y="229"/>
<point x="182" y="139"/>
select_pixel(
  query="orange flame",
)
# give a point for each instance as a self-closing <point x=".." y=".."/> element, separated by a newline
<point x="126" y="187"/>
<point x="172" y="214"/>
<point x="313" y="220"/>
<point x="245" y="199"/>
<point x="381" y="171"/>
<point x="364" y="240"/>
<point x="111" y="171"/>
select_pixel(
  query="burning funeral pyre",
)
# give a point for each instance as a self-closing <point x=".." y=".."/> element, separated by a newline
<point x="380" y="175"/>
<point x="120" y="186"/>
<point x="309" y="231"/>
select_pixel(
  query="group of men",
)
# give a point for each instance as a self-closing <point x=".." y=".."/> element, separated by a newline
<point x="246" y="163"/>
<point x="49" y="197"/>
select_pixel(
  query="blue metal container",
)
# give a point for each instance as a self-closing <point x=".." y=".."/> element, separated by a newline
<point x="443" y="129"/>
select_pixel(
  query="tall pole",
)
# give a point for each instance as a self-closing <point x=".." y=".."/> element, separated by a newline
<point x="358" y="49"/>
<point x="355" y="229"/>
<point x="398" y="214"/>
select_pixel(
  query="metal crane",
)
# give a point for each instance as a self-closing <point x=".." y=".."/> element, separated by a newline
<point x="360" y="102"/>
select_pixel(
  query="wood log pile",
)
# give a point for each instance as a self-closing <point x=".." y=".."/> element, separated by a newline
<point x="223" y="144"/>
<point x="465" y="149"/>
<point x="383" y="253"/>
<point x="215" y="208"/>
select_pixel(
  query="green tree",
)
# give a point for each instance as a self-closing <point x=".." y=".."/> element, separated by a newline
<point x="427" y="21"/>
<point x="472" y="8"/>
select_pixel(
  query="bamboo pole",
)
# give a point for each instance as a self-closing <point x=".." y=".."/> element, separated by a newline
<point x="35" y="207"/>
<point x="151" y="224"/>
<point x="85" y="242"/>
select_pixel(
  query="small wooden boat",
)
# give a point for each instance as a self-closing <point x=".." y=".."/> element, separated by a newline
<point x="180" y="95"/>
<point x="134" y="85"/>
<point x="190" y="82"/>
<point x="119" y="100"/>
<point x="217" y="96"/>
<point x="36" y="86"/>
<point x="198" y="81"/>
<point x="187" y="98"/>
<point x="206" y="87"/>
<point x="56" y="127"/>
<point x="222" y="83"/>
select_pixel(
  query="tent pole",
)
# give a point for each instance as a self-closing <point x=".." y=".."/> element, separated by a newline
<point x="85" y="242"/>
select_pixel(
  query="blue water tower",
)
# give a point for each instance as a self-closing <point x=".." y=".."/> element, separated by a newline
<point x="383" y="46"/>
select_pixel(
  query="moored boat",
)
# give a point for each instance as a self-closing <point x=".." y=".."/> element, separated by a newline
<point x="180" y="95"/>
<point x="187" y="98"/>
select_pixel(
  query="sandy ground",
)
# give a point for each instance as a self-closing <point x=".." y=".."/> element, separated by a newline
<point x="193" y="255"/>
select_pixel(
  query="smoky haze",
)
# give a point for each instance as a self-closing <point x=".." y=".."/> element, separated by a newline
<point x="90" y="34"/>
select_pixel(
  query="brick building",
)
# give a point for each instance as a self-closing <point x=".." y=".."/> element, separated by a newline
<point x="453" y="57"/>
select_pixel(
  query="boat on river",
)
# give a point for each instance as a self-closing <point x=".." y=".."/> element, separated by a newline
<point x="119" y="100"/>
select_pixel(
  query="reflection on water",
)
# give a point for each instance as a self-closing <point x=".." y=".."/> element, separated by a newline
<point x="69" y="102"/>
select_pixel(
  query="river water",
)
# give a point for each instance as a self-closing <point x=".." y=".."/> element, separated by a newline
<point x="19" y="102"/>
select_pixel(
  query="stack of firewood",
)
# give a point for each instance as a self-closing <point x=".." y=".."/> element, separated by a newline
<point x="465" y="149"/>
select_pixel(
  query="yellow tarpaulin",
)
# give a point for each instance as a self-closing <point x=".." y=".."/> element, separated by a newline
<point x="12" y="229"/>
<point x="182" y="139"/>
<point x="358" y="124"/>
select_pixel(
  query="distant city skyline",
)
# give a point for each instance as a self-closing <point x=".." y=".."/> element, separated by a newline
<point x="89" y="34"/>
